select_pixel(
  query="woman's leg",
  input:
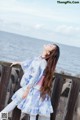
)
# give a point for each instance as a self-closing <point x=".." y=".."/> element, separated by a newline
<point x="32" y="117"/>
<point x="43" y="118"/>
<point x="9" y="107"/>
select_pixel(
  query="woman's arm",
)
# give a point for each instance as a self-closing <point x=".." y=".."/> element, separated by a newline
<point x="26" y="92"/>
<point x="36" y="72"/>
<point x="14" y="63"/>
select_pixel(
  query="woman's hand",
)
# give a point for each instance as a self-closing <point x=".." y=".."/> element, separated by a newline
<point x="14" y="63"/>
<point x="26" y="93"/>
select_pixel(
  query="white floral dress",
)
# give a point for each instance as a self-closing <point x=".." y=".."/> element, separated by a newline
<point x="33" y="103"/>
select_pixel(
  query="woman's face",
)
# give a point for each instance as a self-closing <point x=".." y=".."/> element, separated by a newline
<point x="49" y="47"/>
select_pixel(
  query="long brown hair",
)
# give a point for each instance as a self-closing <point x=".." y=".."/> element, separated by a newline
<point x="51" y="59"/>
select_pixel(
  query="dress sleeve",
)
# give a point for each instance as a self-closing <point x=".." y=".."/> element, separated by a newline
<point x="30" y="76"/>
<point x="24" y="81"/>
<point x="25" y="64"/>
<point x="36" y="73"/>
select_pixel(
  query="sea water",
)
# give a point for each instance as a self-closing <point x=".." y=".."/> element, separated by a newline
<point x="15" y="47"/>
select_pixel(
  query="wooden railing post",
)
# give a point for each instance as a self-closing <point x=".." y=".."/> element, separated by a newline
<point x="72" y="99"/>
<point x="58" y="83"/>
<point x="16" y="112"/>
<point x="56" y="92"/>
<point x="5" y="76"/>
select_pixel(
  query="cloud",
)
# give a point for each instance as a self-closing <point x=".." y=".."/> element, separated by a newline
<point x="15" y="24"/>
<point x="47" y="13"/>
<point x="68" y="30"/>
<point x="1" y="21"/>
<point x="9" y="6"/>
<point x="24" y="17"/>
<point x="8" y="1"/>
<point x="39" y="26"/>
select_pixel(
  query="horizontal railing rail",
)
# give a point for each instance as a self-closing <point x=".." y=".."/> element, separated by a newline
<point x="10" y="82"/>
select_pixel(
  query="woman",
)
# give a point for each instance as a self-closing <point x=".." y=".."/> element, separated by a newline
<point x="34" y="96"/>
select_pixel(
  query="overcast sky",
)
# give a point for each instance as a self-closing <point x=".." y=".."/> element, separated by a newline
<point x="44" y="19"/>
